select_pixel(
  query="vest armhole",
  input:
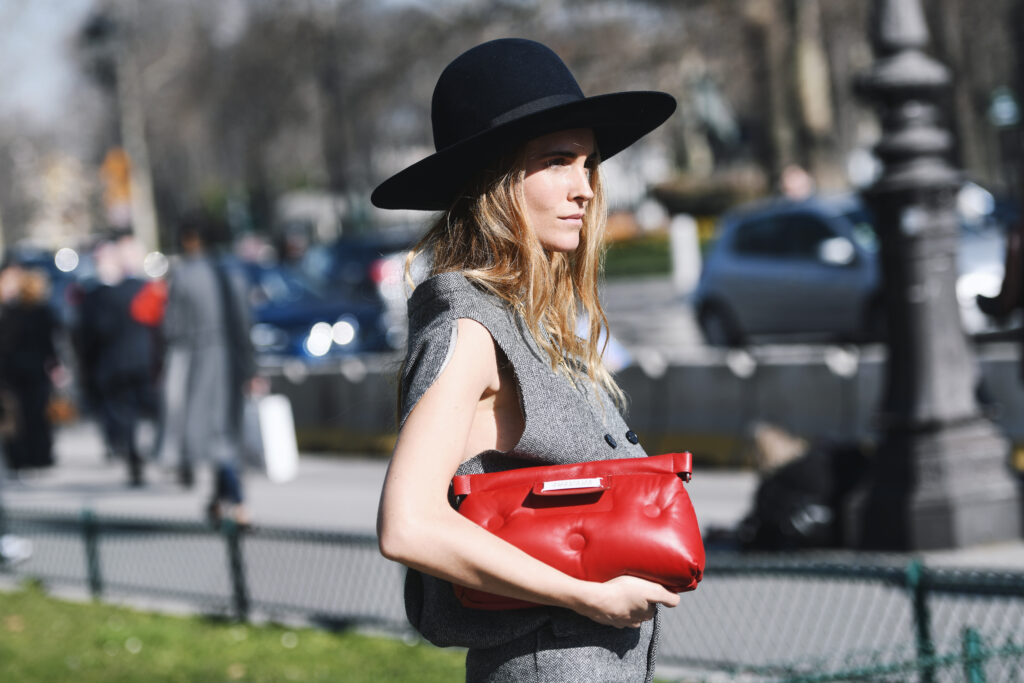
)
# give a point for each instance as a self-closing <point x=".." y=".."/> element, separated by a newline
<point x="505" y="357"/>
<point x="453" y="337"/>
<point x="420" y="372"/>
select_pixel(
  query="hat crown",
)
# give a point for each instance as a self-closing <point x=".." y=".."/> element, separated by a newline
<point x="495" y="83"/>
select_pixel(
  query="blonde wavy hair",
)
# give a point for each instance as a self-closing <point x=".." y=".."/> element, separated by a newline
<point x="485" y="234"/>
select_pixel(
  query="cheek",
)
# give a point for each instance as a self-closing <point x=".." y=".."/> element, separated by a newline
<point x="541" y="192"/>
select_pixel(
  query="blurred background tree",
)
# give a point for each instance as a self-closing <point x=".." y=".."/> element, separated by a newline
<point x="238" y="102"/>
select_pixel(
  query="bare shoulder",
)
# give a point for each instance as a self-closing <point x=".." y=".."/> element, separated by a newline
<point x="476" y="336"/>
<point x="442" y="418"/>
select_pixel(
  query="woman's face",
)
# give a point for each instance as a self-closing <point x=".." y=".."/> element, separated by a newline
<point x="557" y="186"/>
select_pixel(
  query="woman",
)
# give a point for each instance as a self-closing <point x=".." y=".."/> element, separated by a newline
<point x="209" y="365"/>
<point x="495" y="376"/>
<point x="28" y="364"/>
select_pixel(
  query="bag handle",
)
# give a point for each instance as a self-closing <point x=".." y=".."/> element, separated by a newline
<point x="572" y="487"/>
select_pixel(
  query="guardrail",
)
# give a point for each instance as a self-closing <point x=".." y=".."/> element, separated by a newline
<point x="804" y="617"/>
<point x="705" y="398"/>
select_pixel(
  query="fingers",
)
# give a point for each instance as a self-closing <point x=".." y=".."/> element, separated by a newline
<point x="647" y="615"/>
<point x="629" y="601"/>
<point x="634" y="619"/>
<point x="640" y="616"/>
<point x="661" y="595"/>
<point x="669" y="599"/>
<point x="654" y="593"/>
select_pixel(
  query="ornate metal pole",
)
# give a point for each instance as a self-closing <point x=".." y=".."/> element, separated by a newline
<point x="940" y="476"/>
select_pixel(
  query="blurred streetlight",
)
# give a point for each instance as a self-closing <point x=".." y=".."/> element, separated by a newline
<point x="106" y="46"/>
<point x="940" y="477"/>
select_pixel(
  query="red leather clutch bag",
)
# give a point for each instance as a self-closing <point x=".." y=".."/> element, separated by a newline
<point x="594" y="521"/>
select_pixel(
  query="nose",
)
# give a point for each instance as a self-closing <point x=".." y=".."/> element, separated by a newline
<point x="581" y="191"/>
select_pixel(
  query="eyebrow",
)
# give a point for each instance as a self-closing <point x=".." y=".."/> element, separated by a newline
<point x="565" y="153"/>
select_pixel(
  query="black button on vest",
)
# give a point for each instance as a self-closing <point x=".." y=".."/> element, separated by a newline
<point x="632" y="437"/>
<point x="610" y="440"/>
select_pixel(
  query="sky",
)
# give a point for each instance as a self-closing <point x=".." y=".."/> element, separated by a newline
<point x="36" y="69"/>
<point x="37" y="72"/>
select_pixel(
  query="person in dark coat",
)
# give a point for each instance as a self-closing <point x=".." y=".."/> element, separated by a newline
<point x="28" y="359"/>
<point x="1011" y="294"/>
<point x="119" y="352"/>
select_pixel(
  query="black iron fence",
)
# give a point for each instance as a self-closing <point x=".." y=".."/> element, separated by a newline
<point x="836" y="617"/>
<point x="323" y="576"/>
<point x="850" y="617"/>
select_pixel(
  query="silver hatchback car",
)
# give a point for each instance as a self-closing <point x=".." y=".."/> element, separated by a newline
<point x="809" y="269"/>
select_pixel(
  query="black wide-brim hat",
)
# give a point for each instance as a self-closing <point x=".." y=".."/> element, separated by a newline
<point x="503" y="93"/>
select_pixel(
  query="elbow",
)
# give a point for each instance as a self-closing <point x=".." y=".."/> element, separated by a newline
<point x="396" y="541"/>
<point x="387" y="543"/>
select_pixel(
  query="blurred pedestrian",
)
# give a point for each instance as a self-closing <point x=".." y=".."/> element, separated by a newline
<point x="13" y="549"/>
<point x="118" y="344"/>
<point x="28" y="362"/>
<point x="10" y="290"/>
<point x="87" y="294"/>
<point x="496" y="376"/>
<point x="293" y="242"/>
<point x="209" y="363"/>
<point x="796" y="183"/>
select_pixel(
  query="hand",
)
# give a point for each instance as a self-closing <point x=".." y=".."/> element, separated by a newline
<point x="626" y="601"/>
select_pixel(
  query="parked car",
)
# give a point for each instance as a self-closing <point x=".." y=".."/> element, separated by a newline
<point x="292" y="318"/>
<point x="369" y="269"/>
<point x="810" y="269"/>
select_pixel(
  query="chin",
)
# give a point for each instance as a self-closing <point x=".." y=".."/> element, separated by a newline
<point x="569" y="244"/>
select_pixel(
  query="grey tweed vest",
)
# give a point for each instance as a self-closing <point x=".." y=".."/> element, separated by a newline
<point x="564" y="423"/>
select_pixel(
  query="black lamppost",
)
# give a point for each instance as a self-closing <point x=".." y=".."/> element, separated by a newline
<point x="106" y="40"/>
<point x="940" y="476"/>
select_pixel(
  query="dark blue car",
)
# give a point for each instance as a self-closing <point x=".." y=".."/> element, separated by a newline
<point x="292" y="318"/>
<point x="370" y="269"/>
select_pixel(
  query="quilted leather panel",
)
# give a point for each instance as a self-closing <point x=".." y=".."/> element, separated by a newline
<point x="642" y="525"/>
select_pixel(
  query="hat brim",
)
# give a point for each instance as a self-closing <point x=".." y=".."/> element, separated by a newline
<point x="617" y="119"/>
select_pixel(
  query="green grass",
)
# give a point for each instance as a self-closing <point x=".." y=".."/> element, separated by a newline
<point x="48" y="640"/>
<point x="647" y="255"/>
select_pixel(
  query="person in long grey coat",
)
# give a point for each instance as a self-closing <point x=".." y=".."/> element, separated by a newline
<point x="209" y="364"/>
<point x="496" y="377"/>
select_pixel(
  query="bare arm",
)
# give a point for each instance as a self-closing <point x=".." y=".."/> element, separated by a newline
<point x="417" y="527"/>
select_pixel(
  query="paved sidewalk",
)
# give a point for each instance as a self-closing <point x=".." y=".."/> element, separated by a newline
<point x="330" y="491"/>
<point x="335" y="493"/>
